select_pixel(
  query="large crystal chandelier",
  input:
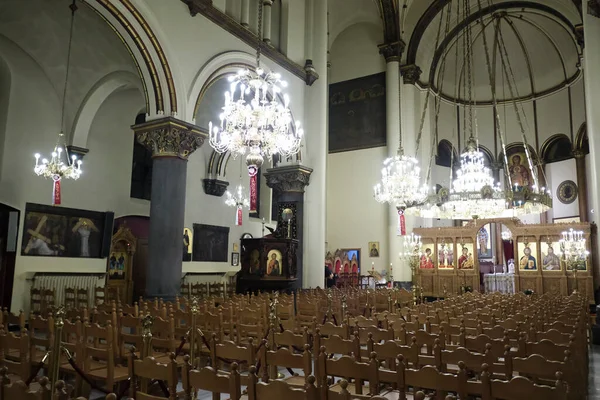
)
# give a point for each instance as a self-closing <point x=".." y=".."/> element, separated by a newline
<point x="60" y="166"/>
<point x="474" y="193"/>
<point x="254" y="120"/>
<point x="573" y="249"/>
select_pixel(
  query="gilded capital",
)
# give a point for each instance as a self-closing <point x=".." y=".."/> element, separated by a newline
<point x="169" y="137"/>
<point x="411" y="73"/>
<point x="392" y="51"/>
<point x="288" y="178"/>
<point x="578" y="153"/>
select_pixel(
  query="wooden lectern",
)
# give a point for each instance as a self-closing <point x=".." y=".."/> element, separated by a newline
<point x="268" y="264"/>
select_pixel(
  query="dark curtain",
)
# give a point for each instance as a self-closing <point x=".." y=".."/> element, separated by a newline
<point x="509" y="250"/>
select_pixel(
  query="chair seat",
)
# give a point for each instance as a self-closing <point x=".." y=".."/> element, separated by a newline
<point x="352" y="390"/>
<point x="121" y="373"/>
<point x="296" y="381"/>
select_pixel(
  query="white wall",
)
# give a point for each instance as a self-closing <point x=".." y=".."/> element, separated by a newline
<point x="557" y="173"/>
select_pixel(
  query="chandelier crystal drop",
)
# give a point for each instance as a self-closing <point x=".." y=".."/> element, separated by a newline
<point x="254" y="120"/>
<point x="573" y="248"/>
<point x="400" y="183"/>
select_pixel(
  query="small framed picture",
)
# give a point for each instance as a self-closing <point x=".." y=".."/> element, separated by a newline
<point x="373" y="249"/>
<point x="235" y="259"/>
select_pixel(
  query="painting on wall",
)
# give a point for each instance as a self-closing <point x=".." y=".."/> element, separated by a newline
<point x="373" y="249"/>
<point x="466" y="259"/>
<point x="210" y="243"/>
<point x="274" y="263"/>
<point x="446" y="254"/>
<point x="426" y="261"/>
<point x="567" y="220"/>
<point x="65" y="232"/>
<point x="116" y="265"/>
<point x="527" y="255"/>
<point x="357" y="118"/>
<point x="551" y="255"/>
<point x="484" y="242"/>
<point x="187" y="244"/>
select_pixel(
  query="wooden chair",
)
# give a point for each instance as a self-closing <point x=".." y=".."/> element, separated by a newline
<point x="286" y="358"/>
<point x="521" y="388"/>
<point x="99" y="296"/>
<point x="19" y="390"/>
<point x="35" y="301"/>
<point x="14" y="355"/>
<point x="208" y="379"/>
<point x="12" y="322"/>
<point x="279" y="389"/>
<point x="70" y="301"/>
<point x="227" y="350"/>
<point x="347" y="367"/>
<point x="150" y="370"/>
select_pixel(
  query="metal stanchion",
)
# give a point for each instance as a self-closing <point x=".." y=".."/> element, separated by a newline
<point x="193" y="341"/>
<point x="344" y="309"/>
<point x="56" y="347"/>
<point x="147" y="322"/>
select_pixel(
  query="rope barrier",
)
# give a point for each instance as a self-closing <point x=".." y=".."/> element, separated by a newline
<point x="85" y="378"/>
<point x="180" y="348"/>
<point x="37" y="369"/>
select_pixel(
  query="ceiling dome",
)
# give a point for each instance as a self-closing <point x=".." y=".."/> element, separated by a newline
<point x="536" y="45"/>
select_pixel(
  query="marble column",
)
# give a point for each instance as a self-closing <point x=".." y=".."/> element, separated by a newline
<point x="591" y="64"/>
<point x="266" y="23"/>
<point x="171" y="142"/>
<point x="288" y="184"/>
<point x="315" y="154"/>
<point x="581" y="185"/>
<point x="392" y="53"/>
<point x="410" y="98"/>
<point x="245" y="16"/>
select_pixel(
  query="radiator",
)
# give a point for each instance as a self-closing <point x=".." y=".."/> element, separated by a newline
<point x="59" y="283"/>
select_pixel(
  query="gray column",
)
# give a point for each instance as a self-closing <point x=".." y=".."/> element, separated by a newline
<point x="581" y="185"/>
<point x="171" y="142"/>
<point x="245" y="20"/>
<point x="289" y="183"/>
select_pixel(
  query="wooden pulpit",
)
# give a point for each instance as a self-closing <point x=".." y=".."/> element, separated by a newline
<point x="268" y="264"/>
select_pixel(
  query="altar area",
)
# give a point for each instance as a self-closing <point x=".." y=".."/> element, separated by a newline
<point x="501" y="255"/>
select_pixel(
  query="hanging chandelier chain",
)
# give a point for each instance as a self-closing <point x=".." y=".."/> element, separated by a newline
<point x="259" y="33"/>
<point x="73" y="8"/>
<point x="468" y="72"/>
<point x="438" y="100"/>
<point x="456" y="94"/>
<point x="494" y="98"/>
<point x="507" y="68"/>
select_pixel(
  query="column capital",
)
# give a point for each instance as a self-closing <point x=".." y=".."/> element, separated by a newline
<point x="311" y="72"/>
<point x="410" y="73"/>
<point x="593" y="8"/>
<point x="169" y="137"/>
<point x="392" y="51"/>
<point x="288" y="178"/>
<point x="80" y="152"/>
<point x="578" y="153"/>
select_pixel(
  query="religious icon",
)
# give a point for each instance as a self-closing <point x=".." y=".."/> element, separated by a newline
<point x="550" y="260"/>
<point x="520" y="174"/>
<point x="466" y="261"/>
<point x="373" y="249"/>
<point x="116" y="265"/>
<point x="446" y="254"/>
<point x="84" y="227"/>
<point x="426" y="260"/>
<point x="527" y="260"/>
<point x="254" y="262"/>
<point x="274" y="264"/>
<point x="484" y="242"/>
<point x="187" y="244"/>
<point x="235" y="259"/>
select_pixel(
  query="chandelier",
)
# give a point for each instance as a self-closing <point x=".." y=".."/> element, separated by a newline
<point x="573" y="249"/>
<point x="254" y="120"/>
<point x="413" y="246"/>
<point x="56" y="168"/>
<point x="237" y="200"/>
<point x="400" y="182"/>
<point x="474" y="193"/>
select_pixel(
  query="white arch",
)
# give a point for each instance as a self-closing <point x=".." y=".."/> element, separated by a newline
<point x="225" y="63"/>
<point x="94" y="99"/>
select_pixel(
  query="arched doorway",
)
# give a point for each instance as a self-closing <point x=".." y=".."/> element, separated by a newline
<point x="9" y="234"/>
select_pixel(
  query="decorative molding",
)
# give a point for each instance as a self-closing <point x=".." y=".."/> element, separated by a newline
<point x="214" y="187"/>
<point x="289" y="178"/>
<point x="390" y="15"/>
<point x="206" y="8"/>
<point x="311" y="72"/>
<point x="410" y="73"/>
<point x="392" y="51"/>
<point x="169" y="137"/>
<point x="80" y="152"/>
<point x="593" y="8"/>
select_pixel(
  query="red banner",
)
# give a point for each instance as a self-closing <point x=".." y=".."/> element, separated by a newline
<point x="56" y="193"/>
<point x="253" y="194"/>
<point x="238" y="216"/>
<point x="401" y="223"/>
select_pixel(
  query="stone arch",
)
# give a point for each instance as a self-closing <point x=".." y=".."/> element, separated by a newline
<point x="137" y="29"/>
<point x="557" y="148"/>
<point x="581" y="140"/>
<point x="93" y="100"/>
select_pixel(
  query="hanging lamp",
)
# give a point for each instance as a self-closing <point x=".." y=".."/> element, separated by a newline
<point x="57" y="168"/>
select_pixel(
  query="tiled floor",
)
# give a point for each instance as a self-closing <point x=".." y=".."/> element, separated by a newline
<point x="594" y="378"/>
